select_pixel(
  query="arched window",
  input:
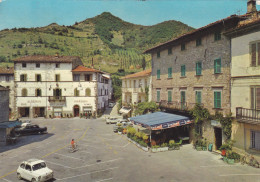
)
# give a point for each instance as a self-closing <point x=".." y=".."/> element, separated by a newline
<point x="24" y="92"/>
<point x="88" y="92"/>
<point x="38" y="92"/>
<point x="76" y="92"/>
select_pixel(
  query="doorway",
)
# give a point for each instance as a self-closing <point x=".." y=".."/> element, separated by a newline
<point x="76" y="111"/>
<point x="218" y="137"/>
<point x="39" y="111"/>
<point x="24" y="111"/>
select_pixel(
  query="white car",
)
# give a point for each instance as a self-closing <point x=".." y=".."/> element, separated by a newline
<point x="111" y="120"/>
<point x="111" y="104"/>
<point x="34" y="170"/>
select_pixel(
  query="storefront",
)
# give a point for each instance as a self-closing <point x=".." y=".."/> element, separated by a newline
<point x="57" y="112"/>
<point x="24" y="111"/>
<point x="38" y="111"/>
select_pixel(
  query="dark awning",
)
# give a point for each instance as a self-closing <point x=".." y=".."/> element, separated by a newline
<point x="160" y="120"/>
<point x="9" y="124"/>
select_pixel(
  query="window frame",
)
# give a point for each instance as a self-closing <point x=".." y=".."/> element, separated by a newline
<point x="158" y="73"/>
<point x="217" y="101"/>
<point x="198" y="93"/>
<point x="76" y="92"/>
<point x="158" y="95"/>
<point x="57" y="65"/>
<point x="24" y="65"/>
<point x="37" y="65"/>
<point x="169" y="93"/>
<point x="24" y="92"/>
<point x="217" y="36"/>
<point x="170" y="72"/>
<point x="170" y="51"/>
<point x="257" y="53"/>
<point x="183" y="70"/>
<point x="216" y="67"/>
<point x="183" y="47"/>
<point x="57" y="77"/>
<point x="36" y="78"/>
<point x="198" y="42"/>
<point x="23" y="78"/>
<point x="76" y="76"/>
<point x="198" y="69"/>
<point x="38" y="92"/>
<point x="158" y="54"/>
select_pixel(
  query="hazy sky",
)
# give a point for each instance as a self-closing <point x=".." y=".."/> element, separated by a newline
<point x="196" y="13"/>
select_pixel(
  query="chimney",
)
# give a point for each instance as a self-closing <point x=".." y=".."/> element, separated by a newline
<point x="251" y="6"/>
<point x="92" y="64"/>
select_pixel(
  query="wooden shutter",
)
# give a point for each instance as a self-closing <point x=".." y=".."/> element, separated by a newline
<point x="257" y="98"/>
<point x="158" y="95"/>
<point x="217" y="99"/>
<point x="198" y="97"/>
<point x="158" y="74"/>
<point x="169" y="72"/>
<point x="252" y="98"/>
<point x="169" y="95"/>
<point x="258" y="53"/>
<point x="253" y="54"/>
<point x="198" y="68"/>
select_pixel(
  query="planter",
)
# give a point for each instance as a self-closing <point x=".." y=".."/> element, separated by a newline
<point x="223" y="152"/>
<point x="146" y="149"/>
<point x="161" y="149"/>
<point x="198" y="148"/>
<point x="224" y="158"/>
<point x="230" y="161"/>
<point x="204" y="148"/>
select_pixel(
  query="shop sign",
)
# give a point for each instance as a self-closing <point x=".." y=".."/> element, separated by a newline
<point x="57" y="104"/>
<point x="33" y="101"/>
<point x="215" y="123"/>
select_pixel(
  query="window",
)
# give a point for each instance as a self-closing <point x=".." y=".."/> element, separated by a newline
<point x="24" y="92"/>
<point x="198" y="42"/>
<point x="38" y="65"/>
<point x="57" y="78"/>
<point x="22" y="165"/>
<point x="7" y="78"/>
<point x="198" y="97"/>
<point x="169" y="96"/>
<point x="27" y="167"/>
<point x="183" y="99"/>
<point x="255" y="98"/>
<point x="76" y="92"/>
<point x="158" y="97"/>
<point x="217" y="36"/>
<point x="88" y="92"/>
<point x="217" y="99"/>
<point x="183" y="70"/>
<point x="183" y="47"/>
<point x="217" y="66"/>
<point x="255" y="140"/>
<point x="76" y="77"/>
<point x="38" y="92"/>
<point x="158" y="74"/>
<point x="198" y="68"/>
<point x="57" y="65"/>
<point x="158" y="54"/>
<point x="140" y="83"/>
<point x="87" y="77"/>
<point x="169" y="51"/>
<point x="24" y="65"/>
<point x="38" y="78"/>
<point x="255" y="54"/>
<point x="23" y="78"/>
<point x="169" y="72"/>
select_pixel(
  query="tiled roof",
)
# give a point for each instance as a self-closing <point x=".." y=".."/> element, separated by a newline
<point x="5" y="71"/>
<point x="139" y="74"/>
<point x="47" y="59"/>
<point x="85" y="69"/>
<point x="193" y="32"/>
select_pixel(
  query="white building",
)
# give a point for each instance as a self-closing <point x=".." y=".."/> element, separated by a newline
<point x="57" y="86"/>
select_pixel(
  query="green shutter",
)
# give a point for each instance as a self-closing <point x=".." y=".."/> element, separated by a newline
<point x="198" y="97"/>
<point x="169" y="72"/>
<point x="158" y="54"/>
<point x="169" y="95"/>
<point x="198" y="68"/>
<point x="183" y="100"/>
<point x="217" y="66"/>
<point x="183" y="70"/>
<point x="158" y="74"/>
<point x="217" y="99"/>
<point x="158" y="96"/>
<point x="169" y="51"/>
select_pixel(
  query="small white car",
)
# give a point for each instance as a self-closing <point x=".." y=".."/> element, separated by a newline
<point x="111" y="104"/>
<point x="112" y="120"/>
<point x="34" y="170"/>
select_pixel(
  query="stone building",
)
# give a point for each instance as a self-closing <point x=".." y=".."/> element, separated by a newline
<point x="4" y="104"/>
<point x="57" y="86"/>
<point x="7" y="80"/>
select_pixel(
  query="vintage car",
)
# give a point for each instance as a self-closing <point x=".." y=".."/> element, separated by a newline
<point x="34" y="170"/>
<point x="30" y="130"/>
<point x="112" y="120"/>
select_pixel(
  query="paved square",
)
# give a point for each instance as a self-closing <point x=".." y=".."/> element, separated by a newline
<point x="107" y="156"/>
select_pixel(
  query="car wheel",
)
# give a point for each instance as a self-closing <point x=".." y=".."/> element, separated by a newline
<point x="19" y="176"/>
<point x="33" y="180"/>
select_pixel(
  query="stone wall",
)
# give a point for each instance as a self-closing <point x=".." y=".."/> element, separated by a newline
<point x="4" y="105"/>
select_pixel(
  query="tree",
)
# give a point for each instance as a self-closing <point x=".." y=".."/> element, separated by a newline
<point x="2" y="59"/>
<point x="145" y="107"/>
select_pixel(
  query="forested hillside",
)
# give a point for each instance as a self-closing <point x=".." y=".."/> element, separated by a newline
<point x="110" y="41"/>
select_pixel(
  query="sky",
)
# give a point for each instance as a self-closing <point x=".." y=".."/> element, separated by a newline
<point x="195" y="13"/>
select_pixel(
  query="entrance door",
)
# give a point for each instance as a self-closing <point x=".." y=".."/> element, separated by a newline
<point x="218" y="137"/>
<point x="42" y="111"/>
<point x="24" y="111"/>
<point x="76" y="111"/>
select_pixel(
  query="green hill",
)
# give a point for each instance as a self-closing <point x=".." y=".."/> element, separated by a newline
<point x="112" y="42"/>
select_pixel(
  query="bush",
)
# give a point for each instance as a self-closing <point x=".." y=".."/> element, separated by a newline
<point x="171" y="143"/>
<point x="131" y="131"/>
<point x="164" y="145"/>
<point x="233" y="155"/>
<point x="155" y="146"/>
<point x="145" y="137"/>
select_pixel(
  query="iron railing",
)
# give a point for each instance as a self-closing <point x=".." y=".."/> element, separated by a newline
<point x="57" y="98"/>
<point x="248" y="115"/>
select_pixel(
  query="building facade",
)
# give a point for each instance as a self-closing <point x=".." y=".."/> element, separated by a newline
<point x="4" y="104"/>
<point x="55" y="86"/>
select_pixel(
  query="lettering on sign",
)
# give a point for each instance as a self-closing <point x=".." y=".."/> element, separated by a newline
<point x="33" y="101"/>
<point x="23" y="104"/>
<point x="80" y="101"/>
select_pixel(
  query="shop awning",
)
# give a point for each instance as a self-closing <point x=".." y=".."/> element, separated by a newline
<point x="9" y="124"/>
<point x="124" y="110"/>
<point x="160" y="120"/>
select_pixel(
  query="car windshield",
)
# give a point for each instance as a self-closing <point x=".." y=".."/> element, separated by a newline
<point x="38" y="166"/>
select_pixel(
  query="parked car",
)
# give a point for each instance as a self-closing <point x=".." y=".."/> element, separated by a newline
<point x="111" y="120"/>
<point x="30" y="129"/>
<point x="115" y="128"/>
<point x="111" y="104"/>
<point x="34" y="170"/>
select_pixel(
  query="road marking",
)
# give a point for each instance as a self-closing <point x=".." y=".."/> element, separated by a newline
<point x="239" y="175"/>
<point x="87" y="173"/>
<point x="1" y="177"/>
<point x="112" y="160"/>
<point x="88" y="146"/>
<point x="108" y="179"/>
<point x="59" y="164"/>
<point x="69" y="156"/>
<point x="54" y="151"/>
<point x="6" y="180"/>
<point x="83" y="134"/>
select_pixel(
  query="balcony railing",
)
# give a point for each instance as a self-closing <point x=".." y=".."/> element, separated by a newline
<point x="251" y="116"/>
<point x="57" y="99"/>
<point x="177" y="105"/>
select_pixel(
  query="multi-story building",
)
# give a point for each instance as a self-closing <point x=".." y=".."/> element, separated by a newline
<point x="7" y="80"/>
<point x="4" y="104"/>
<point x="57" y="86"/>
<point x="135" y="86"/>
<point x="245" y="83"/>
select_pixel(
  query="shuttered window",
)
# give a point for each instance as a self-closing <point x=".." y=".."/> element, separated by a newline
<point x="158" y="74"/>
<point x="183" y="100"/>
<point x="24" y="92"/>
<point x="169" y="96"/>
<point x="217" y="99"/>
<point x="255" y="54"/>
<point x="57" y="78"/>
<point x="255" y="140"/>
<point x="255" y="98"/>
<point x="217" y="36"/>
<point x="169" y="72"/>
<point x="23" y="78"/>
<point x="38" y="92"/>
<point x="169" y="51"/>
<point x="158" y="96"/>
<point x="183" y="70"/>
<point x="198" y="97"/>
<point x="198" y="68"/>
<point x="158" y="54"/>
<point x="217" y="66"/>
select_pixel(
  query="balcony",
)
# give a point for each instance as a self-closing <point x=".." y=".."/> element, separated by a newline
<point x="177" y="105"/>
<point x="57" y="99"/>
<point x="132" y="89"/>
<point x="250" y="116"/>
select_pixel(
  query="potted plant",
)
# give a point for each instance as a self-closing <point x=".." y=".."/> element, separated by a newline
<point x="224" y="149"/>
<point x="120" y="129"/>
<point x="171" y="144"/>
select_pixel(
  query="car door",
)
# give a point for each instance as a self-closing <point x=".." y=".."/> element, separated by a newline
<point x="27" y="172"/>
